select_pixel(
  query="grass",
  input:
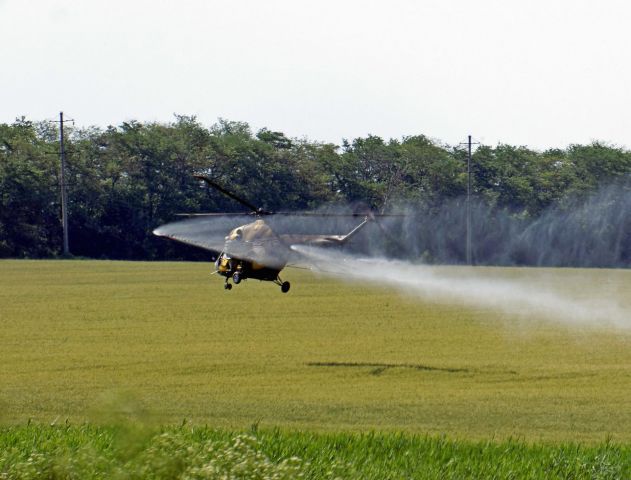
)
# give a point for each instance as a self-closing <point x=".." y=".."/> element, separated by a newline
<point x="86" y="452"/>
<point x="88" y="340"/>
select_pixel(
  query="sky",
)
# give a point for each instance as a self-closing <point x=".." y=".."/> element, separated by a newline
<point x="544" y="74"/>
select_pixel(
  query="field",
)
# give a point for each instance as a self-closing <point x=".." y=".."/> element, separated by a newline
<point x="164" y="344"/>
<point x="79" y="336"/>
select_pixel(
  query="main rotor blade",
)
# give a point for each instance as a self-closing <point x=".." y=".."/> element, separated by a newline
<point x="343" y="215"/>
<point x="289" y="214"/>
<point x="210" y="235"/>
<point x="215" y="214"/>
<point x="218" y="187"/>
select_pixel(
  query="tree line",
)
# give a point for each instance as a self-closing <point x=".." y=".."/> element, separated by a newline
<point x="124" y="181"/>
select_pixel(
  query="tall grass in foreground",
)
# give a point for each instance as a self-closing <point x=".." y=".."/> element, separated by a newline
<point x="88" y="451"/>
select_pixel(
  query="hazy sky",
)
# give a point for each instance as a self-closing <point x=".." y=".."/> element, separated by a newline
<point x="537" y="73"/>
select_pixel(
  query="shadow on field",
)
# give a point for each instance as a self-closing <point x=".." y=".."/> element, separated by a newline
<point x="379" y="368"/>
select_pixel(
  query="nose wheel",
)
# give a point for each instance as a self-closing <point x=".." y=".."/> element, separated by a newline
<point x="236" y="278"/>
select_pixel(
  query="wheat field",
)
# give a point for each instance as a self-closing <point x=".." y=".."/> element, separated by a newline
<point x="85" y="340"/>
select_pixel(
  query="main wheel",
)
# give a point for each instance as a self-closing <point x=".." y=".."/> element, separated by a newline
<point x="227" y="286"/>
<point x="236" y="278"/>
<point x="285" y="287"/>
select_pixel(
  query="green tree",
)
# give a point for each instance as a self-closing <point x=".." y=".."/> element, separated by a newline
<point x="29" y="188"/>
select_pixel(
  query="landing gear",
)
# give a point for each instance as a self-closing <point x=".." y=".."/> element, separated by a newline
<point x="284" y="286"/>
<point x="236" y="278"/>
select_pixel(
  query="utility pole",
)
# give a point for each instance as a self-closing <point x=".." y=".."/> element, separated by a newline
<point x="468" y="213"/>
<point x="468" y="201"/>
<point x="62" y="182"/>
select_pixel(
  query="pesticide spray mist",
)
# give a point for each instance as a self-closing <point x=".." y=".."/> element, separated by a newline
<point x="563" y="296"/>
<point x="593" y="231"/>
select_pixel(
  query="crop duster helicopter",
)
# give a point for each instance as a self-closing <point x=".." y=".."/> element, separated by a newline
<point x="254" y="250"/>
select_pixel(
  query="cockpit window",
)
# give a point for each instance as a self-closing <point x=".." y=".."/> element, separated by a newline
<point x="236" y="234"/>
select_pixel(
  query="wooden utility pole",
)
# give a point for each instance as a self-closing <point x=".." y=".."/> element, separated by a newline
<point x="63" y="184"/>
<point x="469" y="202"/>
<point x="468" y="242"/>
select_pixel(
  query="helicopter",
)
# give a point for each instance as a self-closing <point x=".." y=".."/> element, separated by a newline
<point x="254" y="250"/>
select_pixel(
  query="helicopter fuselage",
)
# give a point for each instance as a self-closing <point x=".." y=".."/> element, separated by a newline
<point x="253" y="251"/>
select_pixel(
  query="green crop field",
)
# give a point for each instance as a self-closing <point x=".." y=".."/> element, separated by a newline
<point x="163" y="344"/>
<point x="89" y="452"/>
<point x="78" y="335"/>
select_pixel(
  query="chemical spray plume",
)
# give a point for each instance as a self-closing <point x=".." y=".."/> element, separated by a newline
<point x="588" y="230"/>
<point x="561" y="296"/>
